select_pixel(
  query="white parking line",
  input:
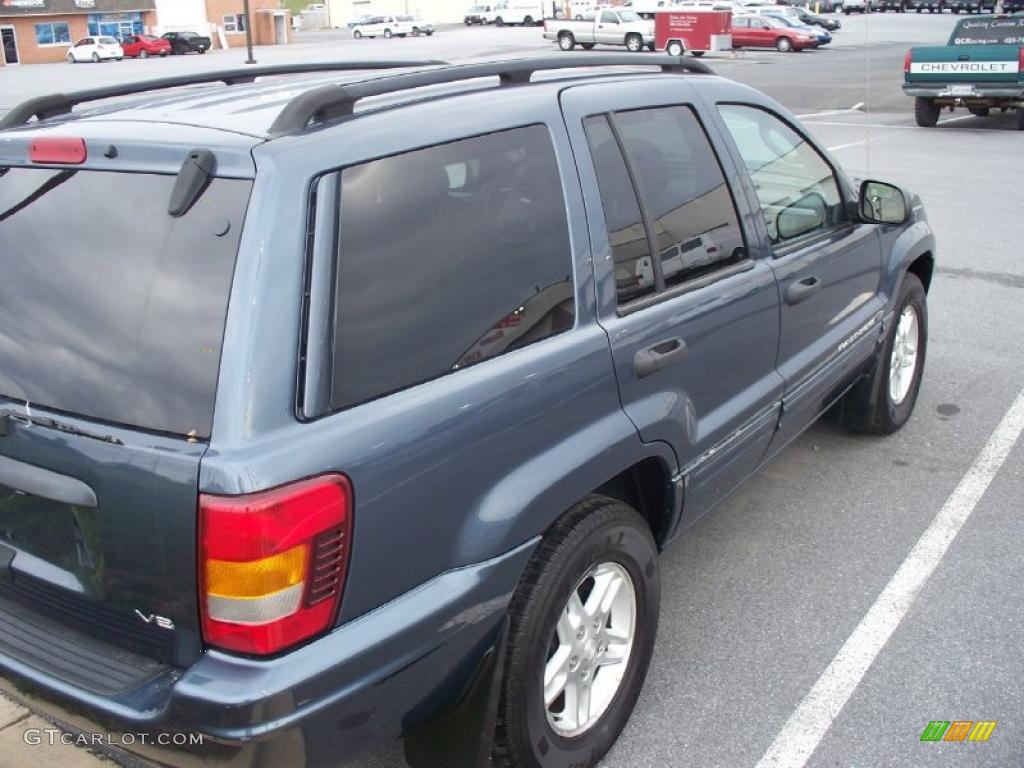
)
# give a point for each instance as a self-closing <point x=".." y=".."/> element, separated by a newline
<point x="877" y="138"/>
<point x="807" y="726"/>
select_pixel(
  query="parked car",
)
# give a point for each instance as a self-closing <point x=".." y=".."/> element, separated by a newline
<point x="517" y="12"/>
<point x="384" y="26"/>
<point x="899" y="6"/>
<point x="971" y="6"/>
<point x="820" y="34"/>
<point x="981" y="68"/>
<point x="187" y="42"/>
<point x="813" y="19"/>
<point x="418" y="26"/>
<point x="607" y="27"/>
<point x="144" y="46"/>
<point x="95" y="49"/>
<point x="476" y="14"/>
<point x="770" y="32"/>
<point x="445" y="375"/>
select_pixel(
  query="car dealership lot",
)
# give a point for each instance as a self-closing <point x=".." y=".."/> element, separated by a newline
<point x="761" y="595"/>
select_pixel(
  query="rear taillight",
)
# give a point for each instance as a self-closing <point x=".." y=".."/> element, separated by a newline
<point x="272" y="565"/>
<point x="58" y="150"/>
<point x="906" y="61"/>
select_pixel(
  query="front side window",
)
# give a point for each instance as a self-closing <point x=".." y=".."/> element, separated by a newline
<point x="796" y="188"/>
<point x="694" y="225"/>
<point x="607" y="17"/>
<point x="448" y="256"/>
<point x="53" y="34"/>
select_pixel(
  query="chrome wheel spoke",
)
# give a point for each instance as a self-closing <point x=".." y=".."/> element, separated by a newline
<point x="556" y="674"/>
<point x="903" y="362"/>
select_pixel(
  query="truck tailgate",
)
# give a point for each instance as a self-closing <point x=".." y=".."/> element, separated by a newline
<point x="964" y="64"/>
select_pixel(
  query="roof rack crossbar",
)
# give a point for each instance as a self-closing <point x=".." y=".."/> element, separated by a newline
<point x="54" y="104"/>
<point x="337" y="101"/>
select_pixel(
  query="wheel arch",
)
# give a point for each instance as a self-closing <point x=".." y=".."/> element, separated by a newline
<point x="649" y="488"/>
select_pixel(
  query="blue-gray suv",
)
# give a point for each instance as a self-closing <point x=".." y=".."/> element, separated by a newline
<point x="344" y="409"/>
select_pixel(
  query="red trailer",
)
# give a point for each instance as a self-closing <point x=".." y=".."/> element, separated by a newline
<point x="677" y="32"/>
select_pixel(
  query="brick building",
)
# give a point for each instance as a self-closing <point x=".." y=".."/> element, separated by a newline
<point x="36" y="31"/>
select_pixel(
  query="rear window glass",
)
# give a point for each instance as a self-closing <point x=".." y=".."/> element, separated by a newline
<point x="109" y="307"/>
<point x="989" y="32"/>
<point x="448" y="256"/>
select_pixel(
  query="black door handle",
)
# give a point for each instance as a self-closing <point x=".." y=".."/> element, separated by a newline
<point x="802" y="289"/>
<point x="664" y="353"/>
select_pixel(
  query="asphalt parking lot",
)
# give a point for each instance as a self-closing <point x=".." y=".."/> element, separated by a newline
<point x="782" y="582"/>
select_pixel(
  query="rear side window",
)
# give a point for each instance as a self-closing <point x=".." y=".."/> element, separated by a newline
<point x="686" y="203"/>
<point x="110" y="308"/>
<point x="448" y="256"/>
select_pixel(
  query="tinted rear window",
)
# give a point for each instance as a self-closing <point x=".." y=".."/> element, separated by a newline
<point x="448" y="256"/>
<point x="109" y="307"/>
<point x="989" y="32"/>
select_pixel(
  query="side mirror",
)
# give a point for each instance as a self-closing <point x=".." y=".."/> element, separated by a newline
<point x="805" y="215"/>
<point x="882" y="203"/>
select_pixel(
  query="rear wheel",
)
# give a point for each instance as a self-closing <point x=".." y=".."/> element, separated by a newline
<point x="144" y="54"/>
<point x="784" y="44"/>
<point x="582" y="627"/>
<point x="499" y="22"/>
<point x="698" y="54"/>
<point x="566" y="41"/>
<point x="357" y="34"/>
<point x="883" y="402"/>
<point x="528" y="21"/>
<point x="71" y="58"/>
<point x="95" y="58"/>
<point x="387" y="33"/>
<point x="675" y="48"/>
<point x="634" y="43"/>
<point x="926" y="112"/>
<point x="979" y="111"/>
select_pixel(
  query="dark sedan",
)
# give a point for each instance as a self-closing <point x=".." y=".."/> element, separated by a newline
<point x="188" y="42"/>
<point x="819" y="21"/>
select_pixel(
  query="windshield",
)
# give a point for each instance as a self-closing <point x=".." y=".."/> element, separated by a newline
<point x="990" y="32"/>
<point x="118" y="313"/>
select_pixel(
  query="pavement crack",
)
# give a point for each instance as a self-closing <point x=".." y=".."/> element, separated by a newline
<point x="1005" y="279"/>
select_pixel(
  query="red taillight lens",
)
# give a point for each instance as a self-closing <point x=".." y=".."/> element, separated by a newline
<point x="58" y="150"/>
<point x="906" y="61"/>
<point x="272" y="565"/>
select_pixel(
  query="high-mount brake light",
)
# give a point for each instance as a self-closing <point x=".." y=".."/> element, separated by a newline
<point x="272" y="564"/>
<point x="58" y="150"/>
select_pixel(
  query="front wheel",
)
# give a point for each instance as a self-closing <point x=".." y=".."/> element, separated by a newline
<point x="144" y="54"/>
<point x="357" y="35"/>
<point x="634" y="43"/>
<point x="499" y="22"/>
<point x="926" y="112"/>
<point x="883" y="402"/>
<point x="71" y="59"/>
<point x="387" y="33"/>
<point x="783" y="44"/>
<point x="697" y="54"/>
<point x="95" y="58"/>
<point x="528" y="21"/>
<point x="566" y="41"/>
<point x="582" y="624"/>
<point x="675" y="48"/>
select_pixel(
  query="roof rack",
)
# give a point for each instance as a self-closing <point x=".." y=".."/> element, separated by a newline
<point x="54" y="104"/>
<point x="335" y="101"/>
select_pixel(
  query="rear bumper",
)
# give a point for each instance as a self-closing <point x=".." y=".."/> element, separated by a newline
<point x="1000" y="91"/>
<point x="362" y="695"/>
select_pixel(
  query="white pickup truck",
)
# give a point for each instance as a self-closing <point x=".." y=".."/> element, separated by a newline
<point x="605" y="27"/>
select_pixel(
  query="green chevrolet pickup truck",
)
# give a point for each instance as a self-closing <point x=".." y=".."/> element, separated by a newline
<point x="981" y="68"/>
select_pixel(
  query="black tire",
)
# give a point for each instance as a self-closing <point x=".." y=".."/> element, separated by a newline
<point x="979" y="111"/>
<point x="499" y="22"/>
<point x="675" y="48"/>
<point x="387" y="33"/>
<point x="597" y="530"/>
<point x="528" y="21"/>
<point x="926" y="112"/>
<point x="698" y="54"/>
<point x="429" y="32"/>
<point x="587" y="46"/>
<point x="95" y="58"/>
<point x="784" y="44"/>
<point x="357" y="35"/>
<point x="1020" y="118"/>
<point x="634" y="43"/>
<point x="566" y="41"/>
<point x="868" y="407"/>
